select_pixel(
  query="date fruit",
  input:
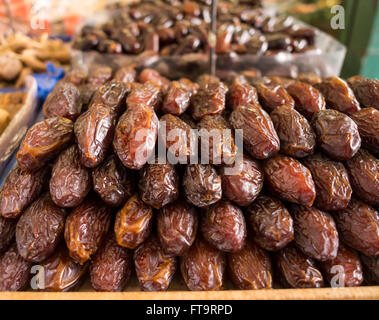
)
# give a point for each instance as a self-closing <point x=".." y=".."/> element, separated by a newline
<point x="272" y="95"/>
<point x="366" y="91"/>
<point x="177" y="99"/>
<point x="241" y="94"/>
<point x="371" y="269"/>
<point x="148" y="94"/>
<point x="7" y="232"/>
<point x="126" y="75"/>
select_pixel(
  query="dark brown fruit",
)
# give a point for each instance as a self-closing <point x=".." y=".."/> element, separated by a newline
<point x="259" y="135"/>
<point x="366" y="91"/>
<point x="111" y="266"/>
<point x="272" y="95"/>
<point x="241" y="94"/>
<point x="371" y="269"/>
<point x="177" y="99"/>
<point x="308" y="100"/>
<point x="154" y="268"/>
<point x="133" y="223"/>
<point x="127" y="75"/>
<point x="148" y="94"/>
<point x="86" y="228"/>
<point x="7" y="232"/>
<point x="113" y="182"/>
<point x="290" y="180"/>
<point x="223" y="226"/>
<point x="250" y="268"/>
<point x="315" y="232"/>
<point x="345" y="270"/>
<point x="333" y="190"/>
<point x="153" y="76"/>
<point x="158" y="184"/>
<point x="21" y="187"/>
<point x="63" y="101"/>
<point x="337" y="134"/>
<point x="98" y="75"/>
<point x="44" y="141"/>
<point x="202" y="185"/>
<point x="271" y="223"/>
<point x="40" y="229"/>
<point x="358" y="226"/>
<point x="296" y="135"/>
<point x="242" y="181"/>
<point x="338" y="95"/>
<point x="70" y="181"/>
<point x="296" y="270"/>
<point x="177" y="227"/>
<point x="135" y="136"/>
<point x="203" y="267"/>
<point x="14" y="270"/>
<point x="363" y="171"/>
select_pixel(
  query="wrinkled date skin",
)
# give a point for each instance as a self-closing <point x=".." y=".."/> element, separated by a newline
<point x="338" y="95"/>
<point x="147" y="94"/>
<point x="216" y="140"/>
<point x="178" y="138"/>
<point x="250" y="268"/>
<point x="177" y="99"/>
<point x="337" y="134"/>
<point x="259" y="136"/>
<point x="223" y="226"/>
<point x="241" y="94"/>
<point x="290" y="180"/>
<point x="94" y="131"/>
<point x="203" y="267"/>
<point x="111" y="266"/>
<point x="296" y="135"/>
<point x="363" y="171"/>
<point x="358" y="225"/>
<point x="352" y="268"/>
<point x="21" y="188"/>
<point x="44" y="141"/>
<point x="113" y="182"/>
<point x="70" y="181"/>
<point x="153" y="76"/>
<point x="135" y="136"/>
<point x="315" y="232"/>
<point x="7" y="232"/>
<point x="371" y="269"/>
<point x="333" y="190"/>
<point x="242" y="181"/>
<point x="210" y="99"/>
<point x="62" y="273"/>
<point x="99" y="75"/>
<point x="202" y="185"/>
<point x="308" y="100"/>
<point x="133" y="223"/>
<point x="154" y="268"/>
<point x="272" y="95"/>
<point x="366" y="91"/>
<point x="158" y="184"/>
<point x="86" y="228"/>
<point x="296" y="270"/>
<point x="40" y="229"/>
<point x="271" y="222"/>
<point x="177" y="227"/>
<point x="126" y="75"/>
<point x="63" y="101"/>
<point x="367" y="120"/>
<point x="14" y="270"/>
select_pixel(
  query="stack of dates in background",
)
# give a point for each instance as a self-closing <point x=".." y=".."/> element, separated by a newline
<point x="300" y="212"/>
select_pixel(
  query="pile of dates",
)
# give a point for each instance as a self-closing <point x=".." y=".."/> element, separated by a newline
<point x="296" y="206"/>
<point x="177" y="28"/>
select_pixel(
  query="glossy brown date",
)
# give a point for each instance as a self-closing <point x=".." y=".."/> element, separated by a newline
<point x="271" y="223"/>
<point x="202" y="185"/>
<point x="272" y="95"/>
<point x="153" y="76"/>
<point x="366" y="91"/>
<point x="289" y="180"/>
<point x="333" y="190"/>
<point x="21" y="187"/>
<point x="40" y="229"/>
<point x="70" y="181"/>
<point x="337" y="134"/>
<point x="177" y="227"/>
<point x="98" y="75"/>
<point x="113" y="182"/>
<point x="315" y="232"/>
<point x="241" y="94"/>
<point x="363" y="171"/>
<point x="111" y="267"/>
<point x="259" y="135"/>
<point x="126" y="75"/>
<point x="177" y="99"/>
<point x="86" y="228"/>
<point x="133" y="223"/>
<point x="148" y="94"/>
<point x="371" y="269"/>
<point x="203" y="267"/>
<point x="44" y="141"/>
<point x="250" y="268"/>
<point x="154" y="268"/>
<point x="296" y="135"/>
<point x="7" y="232"/>
<point x="223" y="226"/>
<point x="296" y="270"/>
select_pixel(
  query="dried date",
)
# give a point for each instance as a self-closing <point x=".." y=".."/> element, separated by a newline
<point x="241" y="94"/>
<point x="147" y="94"/>
<point x="177" y="99"/>
<point x="7" y="233"/>
<point x="272" y="95"/>
<point x="366" y="91"/>
<point x="371" y="269"/>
